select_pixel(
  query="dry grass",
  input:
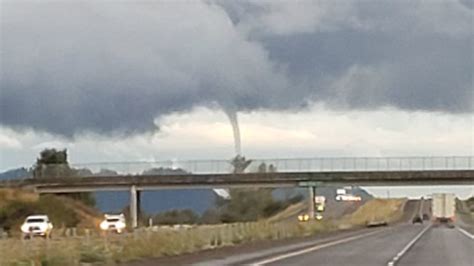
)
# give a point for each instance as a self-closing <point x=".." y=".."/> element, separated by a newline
<point x="7" y="195"/>
<point x="389" y="210"/>
<point x="88" y="217"/>
<point x="147" y="243"/>
<point x="289" y="213"/>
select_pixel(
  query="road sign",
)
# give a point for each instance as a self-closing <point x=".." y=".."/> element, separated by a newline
<point x="310" y="184"/>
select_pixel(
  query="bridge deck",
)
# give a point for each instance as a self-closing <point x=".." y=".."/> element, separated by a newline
<point x="152" y="182"/>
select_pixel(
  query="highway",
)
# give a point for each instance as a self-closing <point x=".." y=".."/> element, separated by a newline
<point x="441" y="246"/>
<point x="403" y="244"/>
<point x="438" y="246"/>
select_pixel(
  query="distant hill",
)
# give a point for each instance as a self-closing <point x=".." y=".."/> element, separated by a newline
<point x="18" y="173"/>
<point x="152" y="202"/>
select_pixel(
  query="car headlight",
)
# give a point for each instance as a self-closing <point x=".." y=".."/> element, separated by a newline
<point x="24" y="228"/>
<point x="43" y="227"/>
<point x="120" y="225"/>
<point x="104" y="225"/>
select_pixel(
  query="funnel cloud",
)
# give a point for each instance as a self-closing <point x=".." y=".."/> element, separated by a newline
<point x="232" y="114"/>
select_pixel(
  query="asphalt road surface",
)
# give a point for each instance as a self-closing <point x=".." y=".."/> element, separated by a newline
<point x="441" y="246"/>
<point x="437" y="246"/>
<point x="376" y="249"/>
<point x="403" y="244"/>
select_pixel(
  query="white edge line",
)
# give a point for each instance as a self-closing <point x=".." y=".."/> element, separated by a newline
<point x="400" y="254"/>
<point x="314" y="248"/>
<point x="466" y="233"/>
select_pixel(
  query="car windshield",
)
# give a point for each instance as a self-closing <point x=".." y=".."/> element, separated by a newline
<point x="35" y="220"/>
<point x="113" y="220"/>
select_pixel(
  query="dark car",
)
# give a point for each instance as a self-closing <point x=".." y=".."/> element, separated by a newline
<point x="417" y="219"/>
<point x="426" y="217"/>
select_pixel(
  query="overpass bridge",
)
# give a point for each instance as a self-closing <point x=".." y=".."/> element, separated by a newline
<point x="308" y="172"/>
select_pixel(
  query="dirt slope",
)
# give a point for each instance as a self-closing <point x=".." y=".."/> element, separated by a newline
<point x="15" y="205"/>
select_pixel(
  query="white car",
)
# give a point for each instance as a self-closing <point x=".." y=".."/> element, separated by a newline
<point x="348" y="197"/>
<point x="36" y="225"/>
<point x="114" y="223"/>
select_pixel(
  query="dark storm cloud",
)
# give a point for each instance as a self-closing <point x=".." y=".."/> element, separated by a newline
<point x="70" y="67"/>
<point x="423" y="51"/>
<point x="115" y="67"/>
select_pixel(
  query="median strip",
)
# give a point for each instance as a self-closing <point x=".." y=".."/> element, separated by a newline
<point x="314" y="248"/>
<point x="400" y="254"/>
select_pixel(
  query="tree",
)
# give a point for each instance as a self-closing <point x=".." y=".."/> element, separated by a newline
<point x="53" y="163"/>
<point x="246" y="204"/>
<point x="210" y="216"/>
<point x="272" y="168"/>
<point x="262" y="168"/>
<point x="186" y="216"/>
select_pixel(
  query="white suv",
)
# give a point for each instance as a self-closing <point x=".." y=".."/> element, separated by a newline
<point x="37" y="225"/>
<point x="114" y="223"/>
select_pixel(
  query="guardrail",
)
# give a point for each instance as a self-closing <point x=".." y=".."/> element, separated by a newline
<point x="283" y="165"/>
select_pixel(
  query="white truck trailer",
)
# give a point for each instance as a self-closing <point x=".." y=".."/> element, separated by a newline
<point x="443" y="207"/>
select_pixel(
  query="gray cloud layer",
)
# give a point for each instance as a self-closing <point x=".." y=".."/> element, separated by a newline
<point x="69" y="67"/>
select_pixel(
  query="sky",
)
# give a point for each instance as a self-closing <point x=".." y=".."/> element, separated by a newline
<point x="158" y="80"/>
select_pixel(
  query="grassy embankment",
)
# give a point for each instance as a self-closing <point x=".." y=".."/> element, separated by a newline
<point x="388" y="210"/>
<point x="64" y="212"/>
<point x="146" y="243"/>
<point x="465" y="212"/>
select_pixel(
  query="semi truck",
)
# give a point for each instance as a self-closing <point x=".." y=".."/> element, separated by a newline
<point x="443" y="208"/>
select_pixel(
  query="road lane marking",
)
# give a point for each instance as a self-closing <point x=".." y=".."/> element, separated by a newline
<point x="466" y="233"/>
<point x="410" y="244"/>
<point x="314" y="248"/>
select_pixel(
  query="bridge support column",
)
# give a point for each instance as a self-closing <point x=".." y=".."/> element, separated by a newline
<point x="134" y="206"/>
<point x="311" y="191"/>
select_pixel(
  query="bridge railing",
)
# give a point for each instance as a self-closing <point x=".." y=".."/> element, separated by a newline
<point x="176" y="167"/>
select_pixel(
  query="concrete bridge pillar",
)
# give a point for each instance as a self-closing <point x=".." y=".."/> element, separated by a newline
<point x="311" y="202"/>
<point x="134" y="205"/>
